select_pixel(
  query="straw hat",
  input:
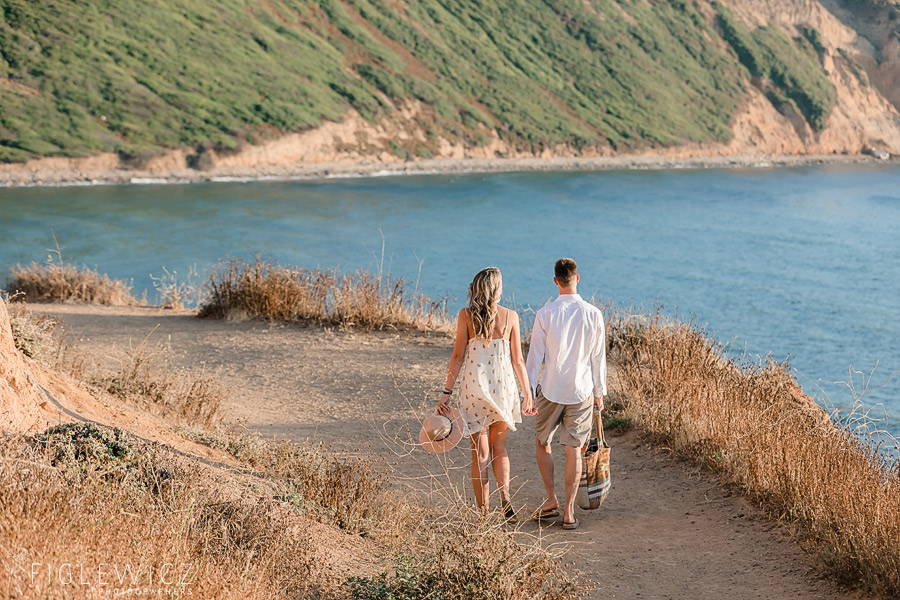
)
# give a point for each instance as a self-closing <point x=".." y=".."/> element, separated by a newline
<point x="440" y="433"/>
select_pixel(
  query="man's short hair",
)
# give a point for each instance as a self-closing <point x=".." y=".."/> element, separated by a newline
<point x="565" y="271"/>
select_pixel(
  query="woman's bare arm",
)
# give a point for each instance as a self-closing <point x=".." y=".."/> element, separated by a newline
<point x="458" y="356"/>
<point x="518" y="363"/>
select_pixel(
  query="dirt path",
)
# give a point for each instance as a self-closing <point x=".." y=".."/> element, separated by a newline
<point x="668" y="529"/>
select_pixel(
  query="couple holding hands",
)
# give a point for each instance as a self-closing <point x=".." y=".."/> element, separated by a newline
<point x="568" y="340"/>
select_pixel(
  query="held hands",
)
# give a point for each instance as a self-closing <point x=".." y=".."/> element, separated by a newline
<point x="528" y="407"/>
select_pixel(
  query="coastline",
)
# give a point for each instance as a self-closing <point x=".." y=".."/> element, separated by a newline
<point x="47" y="173"/>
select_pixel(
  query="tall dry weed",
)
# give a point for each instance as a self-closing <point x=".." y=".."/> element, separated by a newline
<point x="469" y="557"/>
<point x="177" y="291"/>
<point x="753" y="423"/>
<point x="56" y="281"/>
<point x="266" y="290"/>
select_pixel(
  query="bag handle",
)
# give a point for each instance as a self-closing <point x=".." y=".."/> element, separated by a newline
<point x="598" y="422"/>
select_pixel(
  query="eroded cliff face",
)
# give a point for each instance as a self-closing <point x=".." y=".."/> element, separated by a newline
<point x="865" y="78"/>
<point x="20" y="400"/>
<point x="877" y="43"/>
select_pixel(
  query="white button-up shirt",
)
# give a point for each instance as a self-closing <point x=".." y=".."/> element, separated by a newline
<point x="569" y="340"/>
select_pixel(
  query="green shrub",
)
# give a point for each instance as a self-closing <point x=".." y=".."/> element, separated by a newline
<point x="407" y="583"/>
<point x="88" y="443"/>
<point x="382" y="80"/>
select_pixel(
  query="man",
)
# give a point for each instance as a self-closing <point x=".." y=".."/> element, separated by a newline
<point x="569" y="340"/>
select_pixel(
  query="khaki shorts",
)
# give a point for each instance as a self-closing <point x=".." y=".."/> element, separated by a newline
<point x="576" y="420"/>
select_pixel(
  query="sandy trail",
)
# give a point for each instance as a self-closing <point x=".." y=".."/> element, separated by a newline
<point x="668" y="529"/>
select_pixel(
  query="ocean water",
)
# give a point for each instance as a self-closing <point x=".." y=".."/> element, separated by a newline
<point x="800" y="263"/>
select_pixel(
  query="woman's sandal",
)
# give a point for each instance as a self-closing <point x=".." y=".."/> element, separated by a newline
<point x="509" y="513"/>
<point x="570" y="526"/>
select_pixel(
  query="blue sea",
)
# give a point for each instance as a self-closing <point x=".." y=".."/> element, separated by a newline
<point x="791" y="263"/>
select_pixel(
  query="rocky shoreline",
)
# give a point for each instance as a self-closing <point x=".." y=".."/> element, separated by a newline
<point x="54" y="172"/>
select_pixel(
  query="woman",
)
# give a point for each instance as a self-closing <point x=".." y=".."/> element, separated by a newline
<point x="488" y="344"/>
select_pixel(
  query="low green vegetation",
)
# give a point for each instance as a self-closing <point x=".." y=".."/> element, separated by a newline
<point x="72" y="443"/>
<point x="136" y="77"/>
<point x="132" y="76"/>
<point x="857" y="68"/>
<point x="617" y="423"/>
<point x="407" y="583"/>
<point x="789" y="71"/>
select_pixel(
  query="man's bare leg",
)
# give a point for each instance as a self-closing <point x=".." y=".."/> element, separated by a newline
<point x="545" y="465"/>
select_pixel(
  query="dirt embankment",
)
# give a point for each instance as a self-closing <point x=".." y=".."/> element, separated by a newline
<point x="20" y="398"/>
<point x="34" y="397"/>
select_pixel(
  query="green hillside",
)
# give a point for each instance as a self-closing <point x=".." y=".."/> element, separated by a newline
<point x="134" y="76"/>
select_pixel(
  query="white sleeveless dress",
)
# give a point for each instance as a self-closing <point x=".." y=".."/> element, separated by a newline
<point x="488" y="393"/>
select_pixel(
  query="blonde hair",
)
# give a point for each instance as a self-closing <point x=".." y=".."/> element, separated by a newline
<point x="484" y="294"/>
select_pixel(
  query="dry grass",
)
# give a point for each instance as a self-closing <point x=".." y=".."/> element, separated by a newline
<point x="351" y="493"/>
<point x="471" y="556"/>
<point x="56" y="281"/>
<point x="446" y="552"/>
<point x="83" y="500"/>
<point x="146" y="378"/>
<point x="91" y="512"/>
<point x="43" y="338"/>
<point x="266" y="290"/>
<point x="752" y="423"/>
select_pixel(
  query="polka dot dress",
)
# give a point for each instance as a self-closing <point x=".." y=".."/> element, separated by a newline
<point x="488" y="392"/>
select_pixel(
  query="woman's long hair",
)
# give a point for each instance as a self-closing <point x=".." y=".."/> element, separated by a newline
<point x="484" y="294"/>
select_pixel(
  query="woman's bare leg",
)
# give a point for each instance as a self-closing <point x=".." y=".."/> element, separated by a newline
<point x="499" y="458"/>
<point x="481" y="457"/>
